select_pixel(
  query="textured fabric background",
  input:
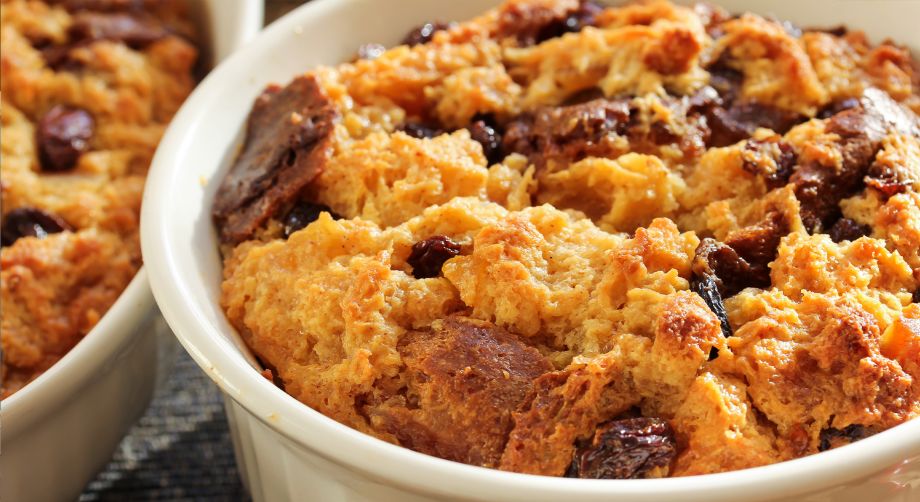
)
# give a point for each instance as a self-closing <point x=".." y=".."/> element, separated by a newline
<point x="180" y="449"/>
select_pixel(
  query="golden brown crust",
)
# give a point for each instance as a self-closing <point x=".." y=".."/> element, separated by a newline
<point x="55" y="289"/>
<point x="464" y="377"/>
<point x="577" y="167"/>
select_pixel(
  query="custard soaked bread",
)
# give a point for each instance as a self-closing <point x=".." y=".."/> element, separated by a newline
<point x="599" y="242"/>
<point x="87" y="90"/>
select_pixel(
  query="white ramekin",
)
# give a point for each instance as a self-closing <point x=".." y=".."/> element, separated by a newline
<point x="60" y="429"/>
<point x="287" y="451"/>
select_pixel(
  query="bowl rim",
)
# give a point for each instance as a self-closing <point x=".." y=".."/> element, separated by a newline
<point x="116" y="328"/>
<point x="227" y="366"/>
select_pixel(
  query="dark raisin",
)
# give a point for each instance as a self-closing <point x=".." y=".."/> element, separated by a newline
<point x="57" y="57"/>
<point x="833" y="438"/>
<point x="30" y="222"/>
<point x="536" y="22"/>
<point x="485" y="132"/>
<point x="743" y="260"/>
<point x="889" y="179"/>
<point x="429" y="255"/>
<point x="370" y="51"/>
<point x="846" y="229"/>
<point x="861" y="129"/>
<point x="916" y="296"/>
<point x="773" y="160"/>
<point x="568" y="133"/>
<point x="424" y="33"/>
<point x="583" y="17"/>
<point x="721" y="270"/>
<point x="583" y="96"/>
<point x="836" y="107"/>
<point x="725" y="79"/>
<point x="703" y="100"/>
<point x="708" y="289"/>
<point x="732" y="119"/>
<point x="419" y="130"/>
<point x="631" y="448"/>
<point x="62" y="135"/>
<point x="757" y="245"/>
<point x="739" y="121"/>
<point x="135" y="31"/>
<point x="887" y="186"/>
<point x="302" y="215"/>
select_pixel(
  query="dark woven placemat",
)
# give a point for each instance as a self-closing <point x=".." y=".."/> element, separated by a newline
<point x="179" y="450"/>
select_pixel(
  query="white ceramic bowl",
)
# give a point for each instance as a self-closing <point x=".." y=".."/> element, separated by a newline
<point x="287" y="451"/>
<point x="60" y="429"/>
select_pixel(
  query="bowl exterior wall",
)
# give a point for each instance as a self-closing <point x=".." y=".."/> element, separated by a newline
<point x="275" y="468"/>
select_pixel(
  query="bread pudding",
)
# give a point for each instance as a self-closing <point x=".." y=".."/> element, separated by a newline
<point x="88" y="87"/>
<point x="600" y="242"/>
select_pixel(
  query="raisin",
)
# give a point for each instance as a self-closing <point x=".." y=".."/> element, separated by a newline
<point x="584" y="16"/>
<point x="485" y="132"/>
<point x="134" y="31"/>
<point x="62" y="135"/>
<point x="30" y="222"/>
<point x="534" y="23"/>
<point x="733" y="120"/>
<point x="743" y="259"/>
<point x="848" y="230"/>
<point x="429" y="255"/>
<point x="832" y="438"/>
<point x="708" y="289"/>
<point x="370" y="51"/>
<point x="424" y="33"/>
<point x="568" y="133"/>
<point x="631" y="448"/>
<point x="889" y="179"/>
<point x="739" y="121"/>
<point x="838" y="106"/>
<point x="757" y="245"/>
<point x="916" y="296"/>
<point x="861" y="130"/>
<point x="773" y="160"/>
<point x="419" y="130"/>
<point x="725" y="79"/>
<point x="57" y="57"/>
<point x="583" y="96"/>
<point x="721" y="270"/>
<point x="703" y="100"/>
<point x="302" y="215"/>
